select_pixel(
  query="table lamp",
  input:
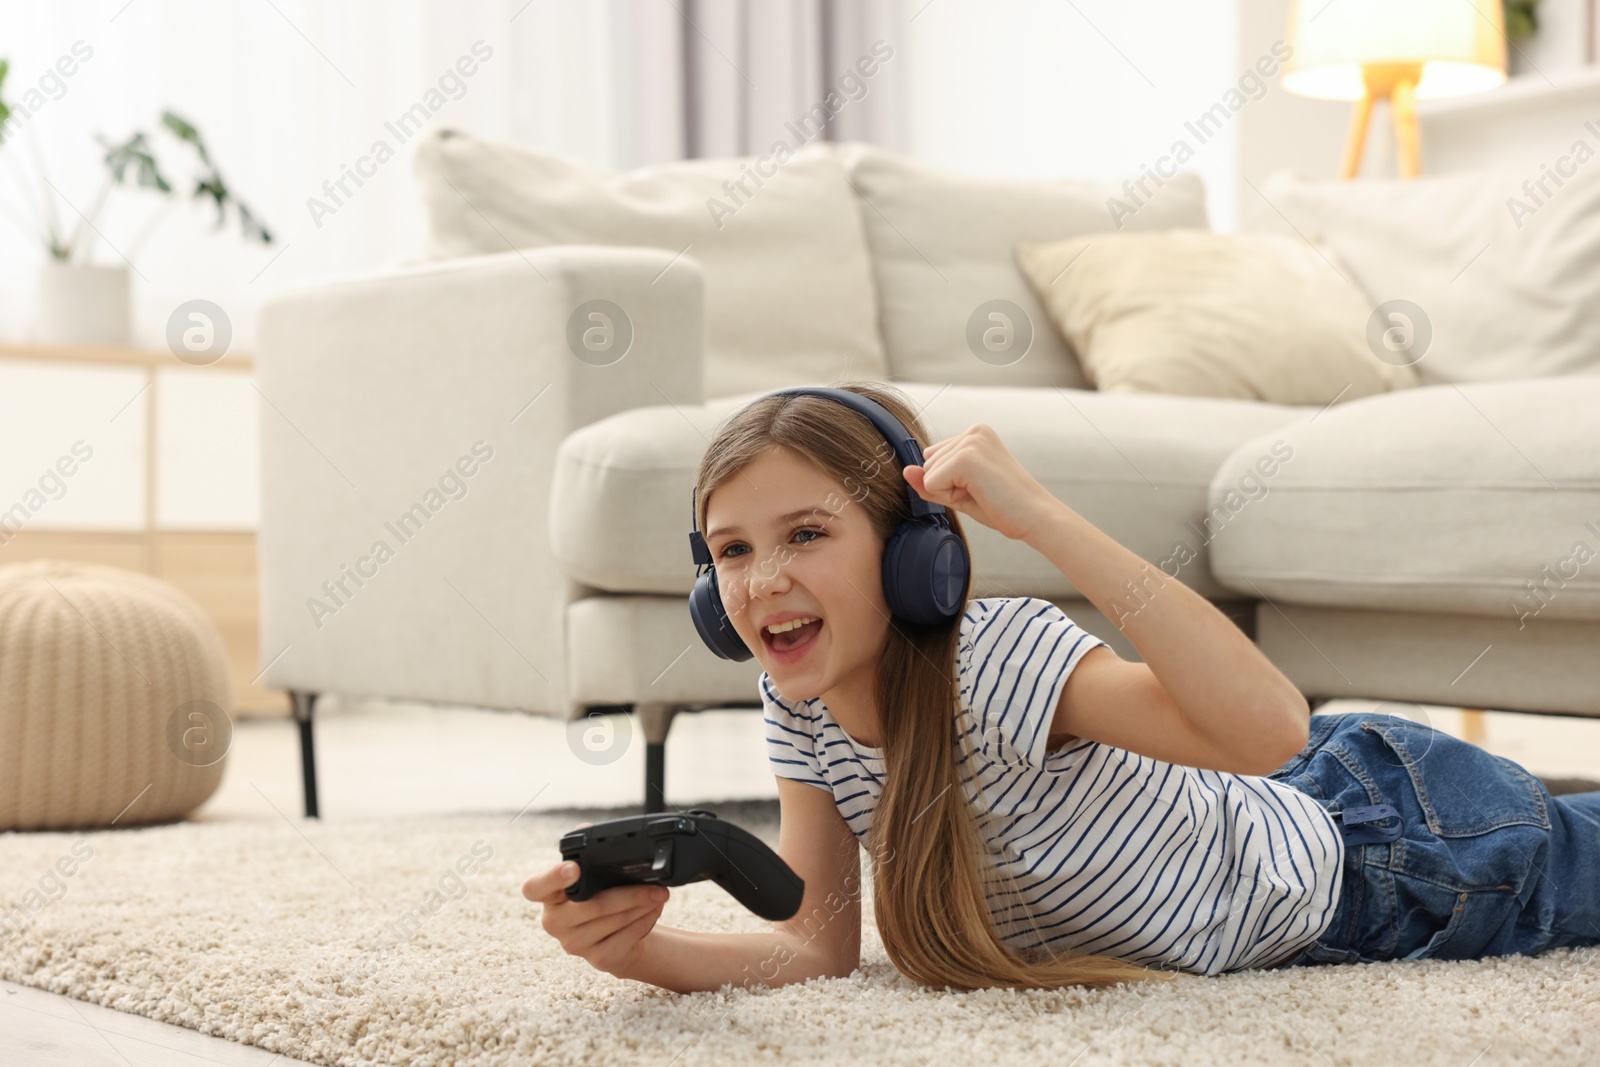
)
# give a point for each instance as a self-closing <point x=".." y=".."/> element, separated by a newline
<point x="1398" y="50"/>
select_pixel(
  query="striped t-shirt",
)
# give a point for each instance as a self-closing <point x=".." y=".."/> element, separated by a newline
<point x="1114" y="853"/>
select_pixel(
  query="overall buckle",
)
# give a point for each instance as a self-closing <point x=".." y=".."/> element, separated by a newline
<point x="1367" y="816"/>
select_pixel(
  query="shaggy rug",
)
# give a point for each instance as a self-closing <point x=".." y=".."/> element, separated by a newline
<point x="356" y="943"/>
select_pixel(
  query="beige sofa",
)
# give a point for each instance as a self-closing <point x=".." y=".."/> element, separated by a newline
<point x="477" y="469"/>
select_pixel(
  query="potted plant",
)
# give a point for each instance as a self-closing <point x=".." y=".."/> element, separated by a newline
<point x="81" y="302"/>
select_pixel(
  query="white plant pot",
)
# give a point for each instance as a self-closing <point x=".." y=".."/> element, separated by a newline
<point x="81" y="304"/>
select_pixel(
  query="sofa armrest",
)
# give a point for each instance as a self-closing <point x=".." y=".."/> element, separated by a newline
<point x="409" y="425"/>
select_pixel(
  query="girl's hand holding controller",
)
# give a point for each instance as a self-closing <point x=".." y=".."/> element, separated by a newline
<point x="608" y="928"/>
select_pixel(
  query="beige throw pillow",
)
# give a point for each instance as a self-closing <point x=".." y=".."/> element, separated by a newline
<point x="1196" y="313"/>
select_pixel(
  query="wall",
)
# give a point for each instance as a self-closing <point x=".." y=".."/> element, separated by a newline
<point x="1093" y="89"/>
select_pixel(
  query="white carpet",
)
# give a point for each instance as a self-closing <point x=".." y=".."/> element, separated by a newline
<point x="279" y="935"/>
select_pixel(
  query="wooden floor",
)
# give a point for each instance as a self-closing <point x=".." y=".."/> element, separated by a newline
<point x="39" y="1029"/>
<point x="382" y="760"/>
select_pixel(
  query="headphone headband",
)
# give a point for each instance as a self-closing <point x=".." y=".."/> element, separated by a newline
<point x="906" y="450"/>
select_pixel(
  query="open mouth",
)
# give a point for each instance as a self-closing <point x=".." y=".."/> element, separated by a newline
<point x="790" y="645"/>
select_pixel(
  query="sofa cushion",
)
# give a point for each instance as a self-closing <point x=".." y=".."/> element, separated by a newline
<point x="1137" y="466"/>
<point x="788" y="285"/>
<point x="1506" y="278"/>
<point x="1478" y="499"/>
<point x="1194" y="313"/>
<point x="943" y="251"/>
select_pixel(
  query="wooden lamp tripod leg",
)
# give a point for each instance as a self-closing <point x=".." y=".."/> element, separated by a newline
<point x="1396" y="83"/>
<point x="1473" y="728"/>
<point x="1403" y="116"/>
<point x="1355" y="138"/>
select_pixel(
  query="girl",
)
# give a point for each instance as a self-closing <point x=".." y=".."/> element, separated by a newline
<point x="1040" y="812"/>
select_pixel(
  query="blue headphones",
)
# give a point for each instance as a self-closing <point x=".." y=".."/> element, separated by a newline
<point x="925" y="565"/>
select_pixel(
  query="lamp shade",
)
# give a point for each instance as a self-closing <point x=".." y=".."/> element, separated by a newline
<point x="1460" y="45"/>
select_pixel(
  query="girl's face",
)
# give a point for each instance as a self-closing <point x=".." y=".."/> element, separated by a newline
<point x="786" y="537"/>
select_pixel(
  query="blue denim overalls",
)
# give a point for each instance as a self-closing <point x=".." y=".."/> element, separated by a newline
<point x="1451" y="852"/>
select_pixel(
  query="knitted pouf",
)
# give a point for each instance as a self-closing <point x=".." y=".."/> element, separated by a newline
<point x="113" y="698"/>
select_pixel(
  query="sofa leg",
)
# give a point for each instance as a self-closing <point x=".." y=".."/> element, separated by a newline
<point x="1316" y="702"/>
<point x="656" y="720"/>
<point x="1242" y="613"/>
<point x="303" y="704"/>
<point x="655" y="777"/>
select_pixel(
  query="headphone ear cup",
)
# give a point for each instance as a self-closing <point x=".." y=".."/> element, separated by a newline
<point x="711" y="620"/>
<point x="925" y="569"/>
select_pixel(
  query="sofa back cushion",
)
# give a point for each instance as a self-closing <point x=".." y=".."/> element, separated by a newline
<point x="1507" y="278"/>
<point x="788" y="286"/>
<point x="943" y="251"/>
<point x="1253" y="316"/>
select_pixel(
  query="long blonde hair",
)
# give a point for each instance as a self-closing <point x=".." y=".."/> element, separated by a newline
<point x="929" y="879"/>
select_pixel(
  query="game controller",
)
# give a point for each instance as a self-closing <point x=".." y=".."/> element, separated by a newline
<point x="676" y="849"/>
